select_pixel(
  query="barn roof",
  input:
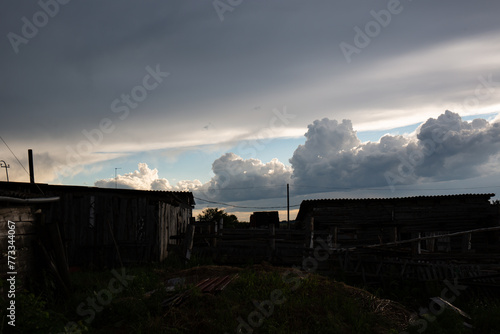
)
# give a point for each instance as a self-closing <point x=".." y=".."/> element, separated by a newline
<point x="308" y="205"/>
<point x="28" y="190"/>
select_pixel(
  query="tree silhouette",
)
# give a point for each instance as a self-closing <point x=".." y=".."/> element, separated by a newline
<point x="214" y="214"/>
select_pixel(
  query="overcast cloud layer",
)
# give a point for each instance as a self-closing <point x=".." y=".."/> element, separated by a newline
<point x="92" y="85"/>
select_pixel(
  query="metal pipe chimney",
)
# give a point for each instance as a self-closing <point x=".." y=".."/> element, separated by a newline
<point x="30" y="159"/>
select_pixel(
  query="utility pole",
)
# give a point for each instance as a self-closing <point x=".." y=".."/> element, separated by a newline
<point x="5" y="165"/>
<point x="288" y="204"/>
<point x="116" y="184"/>
<point x="31" y="165"/>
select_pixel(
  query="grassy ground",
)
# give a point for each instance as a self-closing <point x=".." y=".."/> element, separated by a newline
<point x="261" y="299"/>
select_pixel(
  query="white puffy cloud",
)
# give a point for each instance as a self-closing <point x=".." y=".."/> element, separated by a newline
<point x="237" y="179"/>
<point x="442" y="149"/>
<point x="446" y="148"/>
<point x="145" y="178"/>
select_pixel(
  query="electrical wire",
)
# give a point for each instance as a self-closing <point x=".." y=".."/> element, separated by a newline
<point x="314" y="187"/>
<point x="402" y="187"/>
<point x="15" y="156"/>
<point x="245" y="207"/>
<point x="19" y="161"/>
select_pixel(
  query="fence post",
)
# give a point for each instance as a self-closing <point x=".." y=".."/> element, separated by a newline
<point x="189" y="242"/>
<point x="272" y="240"/>
<point x="309" y="236"/>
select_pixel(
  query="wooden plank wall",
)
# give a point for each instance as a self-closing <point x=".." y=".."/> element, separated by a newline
<point x="381" y="221"/>
<point x="109" y="230"/>
<point x="173" y="221"/>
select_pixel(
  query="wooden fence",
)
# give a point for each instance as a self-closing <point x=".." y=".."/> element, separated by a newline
<point x="370" y="263"/>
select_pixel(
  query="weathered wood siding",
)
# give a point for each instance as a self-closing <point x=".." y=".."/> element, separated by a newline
<point x="355" y="222"/>
<point x="111" y="227"/>
<point x="104" y="230"/>
<point x="173" y="221"/>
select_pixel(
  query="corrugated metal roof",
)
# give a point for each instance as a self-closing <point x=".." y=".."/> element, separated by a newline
<point x="307" y="204"/>
<point x="396" y="198"/>
<point x="33" y="190"/>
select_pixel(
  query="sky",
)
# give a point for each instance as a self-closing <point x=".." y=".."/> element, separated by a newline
<point x="235" y="99"/>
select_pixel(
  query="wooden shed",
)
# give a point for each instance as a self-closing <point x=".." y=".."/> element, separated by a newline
<point x="354" y="222"/>
<point x="264" y="219"/>
<point x="113" y="227"/>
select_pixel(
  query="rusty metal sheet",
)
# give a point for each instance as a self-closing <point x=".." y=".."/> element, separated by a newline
<point x="215" y="284"/>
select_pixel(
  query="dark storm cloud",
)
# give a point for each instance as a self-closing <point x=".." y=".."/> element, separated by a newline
<point x="264" y="53"/>
<point x="454" y="149"/>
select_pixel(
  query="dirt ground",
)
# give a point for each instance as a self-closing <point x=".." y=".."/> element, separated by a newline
<point x="392" y="311"/>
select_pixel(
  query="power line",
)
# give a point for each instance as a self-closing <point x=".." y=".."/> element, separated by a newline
<point x="244" y="207"/>
<point x="400" y="187"/>
<point x="29" y="175"/>
<point x="246" y="188"/>
<point x="15" y="156"/>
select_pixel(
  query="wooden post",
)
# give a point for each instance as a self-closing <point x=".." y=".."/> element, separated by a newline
<point x="336" y="243"/>
<point x="309" y="235"/>
<point x="288" y="205"/>
<point x="60" y="254"/>
<point x="311" y="244"/>
<point x="272" y="240"/>
<point x="415" y="245"/>
<point x="466" y="242"/>
<point x="215" y="234"/>
<point x="115" y="243"/>
<point x="189" y="242"/>
<point x="330" y="239"/>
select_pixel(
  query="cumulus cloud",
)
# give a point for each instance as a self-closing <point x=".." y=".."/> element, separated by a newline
<point x="145" y="178"/>
<point x="456" y="149"/>
<point x="235" y="179"/>
<point x="446" y="148"/>
<point x="239" y="179"/>
<point x="442" y="149"/>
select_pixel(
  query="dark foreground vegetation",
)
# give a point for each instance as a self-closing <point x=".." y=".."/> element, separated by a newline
<point x="259" y="299"/>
